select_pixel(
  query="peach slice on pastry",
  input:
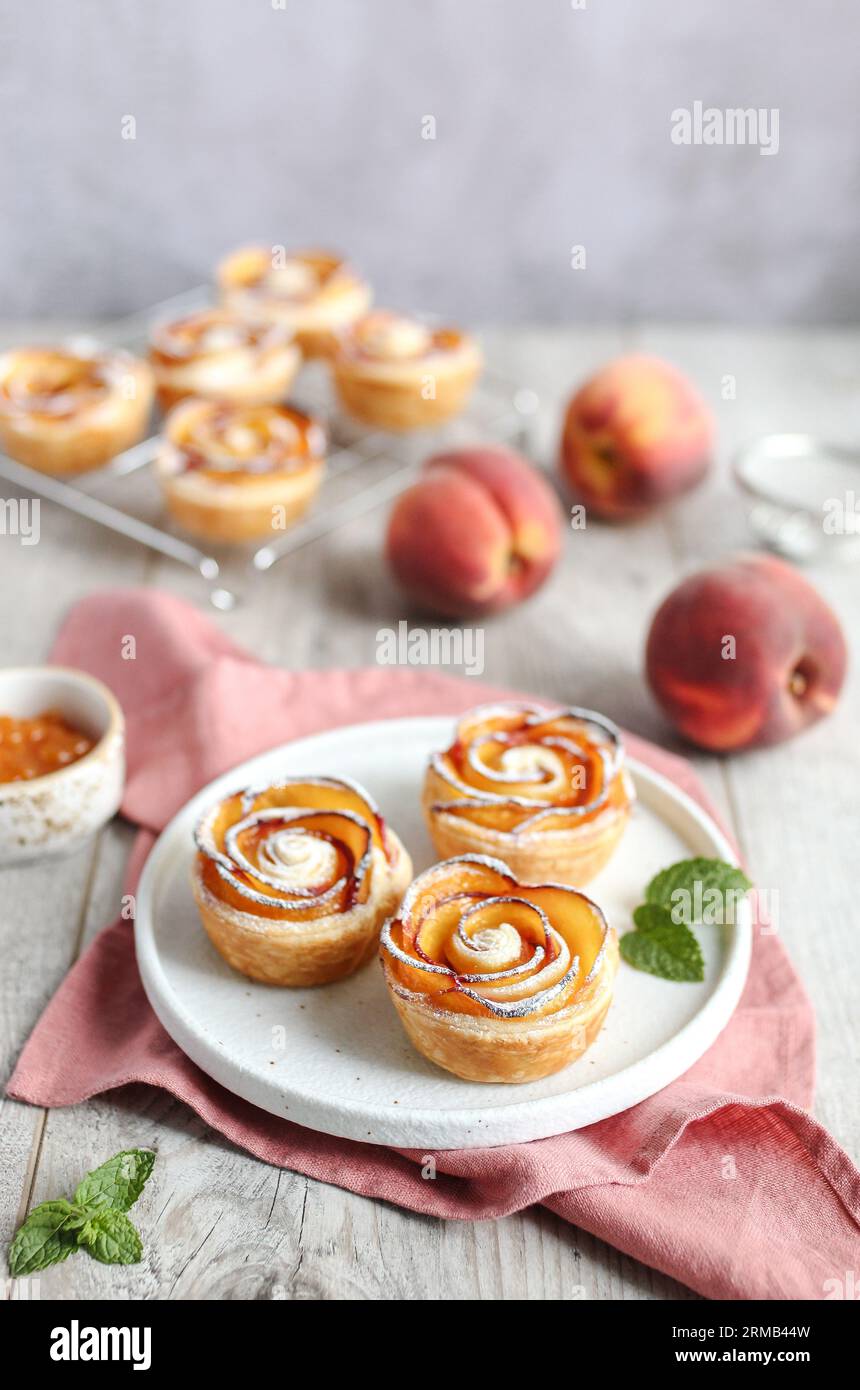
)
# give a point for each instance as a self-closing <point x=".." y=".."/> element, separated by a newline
<point x="69" y="412"/>
<point x="293" y="881"/>
<point x="395" y="373"/>
<point x="220" y="356"/>
<point x="546" y="790"/>
<point x="237" y="472"/>
<point x="314" y="294"/>
<point x="495" y="979"/>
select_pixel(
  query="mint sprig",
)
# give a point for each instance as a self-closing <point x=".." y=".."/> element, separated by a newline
<point x="691" y="891"/>
<point x="94" y="1221"/>
<point x="663" y="947"/>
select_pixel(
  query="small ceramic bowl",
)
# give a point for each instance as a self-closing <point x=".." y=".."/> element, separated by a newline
<point x="55" y="813"/>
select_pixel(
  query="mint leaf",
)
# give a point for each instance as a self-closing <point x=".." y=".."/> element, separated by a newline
<point x="663" y="947"/>
<point x="117" y="1183"/>
<point x="695" y="889"/>
<point x="650" y="915"/>
<point x="110" y="1237"/>
<point x="94" y="1221"/>
<point x="44" y="1239"/>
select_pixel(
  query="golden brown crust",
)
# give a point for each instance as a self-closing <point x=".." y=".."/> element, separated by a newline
<point x="303" y="954"/>
<point x="573" y="857"/>
<point x="63" y="412"/>
<point x="494" y="1050"/>
<point x="294" y="881"/>
<point x="395" y="374"/>
<point x="218" y="355"/>
<point x="234" y="473"/>
<point x="498" y="980"/>
<point x="557" y="813"/>
<point x="313" y="293"/>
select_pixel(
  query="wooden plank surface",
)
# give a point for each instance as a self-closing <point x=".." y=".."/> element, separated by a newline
<point x="220" y="1224"/>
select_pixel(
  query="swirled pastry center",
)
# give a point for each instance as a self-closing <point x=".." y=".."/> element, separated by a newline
<point x="540" y="768"/>
<point x="298" y="850"/>
<point x="55" y="383"/>
<point x="221" y="337"/>
<point x="298" y="860"/>
<point x="235" y="441"/>
<point x="476" y="941"/>
<point x="391" y="336"/>
<point x="485" y="950"/>
<point x="519" y="767"/>
<point x="212" y="333"/>
<point x="292" y="279"/>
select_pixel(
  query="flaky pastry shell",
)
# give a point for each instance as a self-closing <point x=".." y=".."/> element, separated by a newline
<point x="314" y="294"/>
<point x="544" y="790"/>
<point x="234" y="473"/>
<point x="497" y="980"/>
<point x="294" y="881"/>
<point x="64" y="412"/>
<point x="218" y="355"/>
<point x="395" y="374"/>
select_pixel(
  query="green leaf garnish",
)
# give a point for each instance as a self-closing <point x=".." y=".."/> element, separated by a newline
<point x="693" y="890"/>
<point x="649" y="915"/>
<point x="117" y="1183"/>
<point x="44" y="1239"/>
<point x="110" y="1237"/>
<point x="95" y="1221"/>
<point x="665" y="948"/>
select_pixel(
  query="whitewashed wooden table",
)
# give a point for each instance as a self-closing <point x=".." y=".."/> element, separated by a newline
<point x="219" y="1224"/>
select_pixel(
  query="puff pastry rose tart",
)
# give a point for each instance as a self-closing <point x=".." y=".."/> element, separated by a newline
<point x="221" y="356"/>
<point x="67" y="412"/>
<point x="312" y="293"/>
<point x="546" y="790"/>
<point x="398" y="374"/>
<point x="294" y="881"/>
<point x="497" y="980"/>
<point x="238" y="472"/>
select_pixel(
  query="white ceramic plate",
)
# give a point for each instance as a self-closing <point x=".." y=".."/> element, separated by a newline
<point x="336" y="1059"/>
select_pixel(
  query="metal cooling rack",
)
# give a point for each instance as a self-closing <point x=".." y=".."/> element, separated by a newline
<point x="365" y="469"/>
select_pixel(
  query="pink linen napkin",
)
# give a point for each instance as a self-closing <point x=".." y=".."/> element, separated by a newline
<point x="723" y="1179"/>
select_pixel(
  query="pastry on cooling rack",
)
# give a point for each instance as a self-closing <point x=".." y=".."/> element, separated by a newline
<point x="494" y="979"/>
<point x="68" y="412"/>
<point x="545" y="790"/>
<point x="221" y="356"/>
<point x="294" y="880"/>
<point x="313" y="293"/>
<point x="397" y="373"/>
<point x="239" y="472"/>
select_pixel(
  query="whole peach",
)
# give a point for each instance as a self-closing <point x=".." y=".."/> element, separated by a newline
<point x="480" y="530"/>
<point x="745" y="654"/>
<point x="635" y="435"/>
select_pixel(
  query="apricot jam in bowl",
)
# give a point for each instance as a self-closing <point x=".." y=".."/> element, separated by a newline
<point x="62" y="760"/>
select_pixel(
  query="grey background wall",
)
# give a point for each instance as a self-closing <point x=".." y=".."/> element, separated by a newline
<point x="304" y="124"/>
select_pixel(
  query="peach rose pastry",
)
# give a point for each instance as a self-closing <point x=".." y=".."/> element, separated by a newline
<point x="314" y="294"/>
<point x="497" y="980"/>
<point x="294" y="881"/>
<point x="68" y="412"/>
<point x="239" y="472"/>
<point x="220" y="356"/>
<point x="396" y="373"/>
<point x="544" y="789"/>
